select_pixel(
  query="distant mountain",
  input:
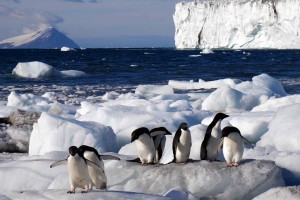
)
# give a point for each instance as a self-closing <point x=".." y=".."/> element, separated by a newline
<point x="48" y="38"/>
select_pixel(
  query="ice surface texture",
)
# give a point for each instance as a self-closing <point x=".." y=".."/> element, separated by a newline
<point x="237" y="24"/>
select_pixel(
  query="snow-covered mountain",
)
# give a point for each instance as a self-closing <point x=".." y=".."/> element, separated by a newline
<point x="238" y="24"/>
<point x="45" y="39"/>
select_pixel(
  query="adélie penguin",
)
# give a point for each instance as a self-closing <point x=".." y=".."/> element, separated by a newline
<point x="97" y="175"/>
<point x="145" y="145"/>
<point x="182" y="143"/>
<point x="233" y="145"/>
<point x="78" y="169"/>
<point x="159" y="139"/>
<point x="212" y="138"/>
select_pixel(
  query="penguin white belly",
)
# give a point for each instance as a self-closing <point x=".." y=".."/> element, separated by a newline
<point x="78" y="172"/>
<point x="146" y="149"/>
<point x="233" y="148"/>
<point x="184" y="147"/>
<point x="214" y="141"/>
<point x="97" y="175"/>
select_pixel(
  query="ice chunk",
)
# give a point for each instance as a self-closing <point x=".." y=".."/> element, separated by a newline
<point x="185" y="85"/>
<point x="283" y="131"/>
<point x="33" y="69"/>
<point x="180" y="194"/>
<point x="55" y="133"/>
<point x="203" y="179"/>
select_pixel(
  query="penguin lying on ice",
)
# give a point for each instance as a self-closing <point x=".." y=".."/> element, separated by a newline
<point x="145" y="145"/>
<point x="86" y="168"/>
<point x="159" y="139"/>
<point x="182" y="143"/>
<point x="212" y="138"/>
<point x="233" y="145"/>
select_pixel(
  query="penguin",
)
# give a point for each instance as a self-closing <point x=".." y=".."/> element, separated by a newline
<point x="159" y="139"/>
<point x="182" y="143"/>
<point x="233" y="145"/>
<point x="212" y="138"/>
<point x="78" y="169"/>
<point x="145" y="145"/>
<point x="97" y="176"/>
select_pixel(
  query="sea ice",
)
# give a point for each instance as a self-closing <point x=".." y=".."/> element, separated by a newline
<point x="279" y="193"/>
<point x="56" y="133"/>
<point x="33" y="69"/>
<point x="38" y="69"/>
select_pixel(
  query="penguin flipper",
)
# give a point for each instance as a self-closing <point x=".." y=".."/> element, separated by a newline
<point x="109" y="157"/>
<point x="247" y="142"/>
<point x="92" y="164"/>
<point x="175" y="142"/>
<point x="60" y="162"/>
<point x="138" y="160"/>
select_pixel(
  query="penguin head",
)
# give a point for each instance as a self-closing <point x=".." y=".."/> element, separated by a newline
<point x="183" y="126"/>
<point x="136" y="133"/>
<point x="229" y="129"/>
<point x="220" y="116"/>
<point x="73" y="150"/>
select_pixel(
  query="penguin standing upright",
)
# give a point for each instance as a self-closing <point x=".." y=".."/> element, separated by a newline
<point x="182" y="143"/>
<point x="145" y="145"/>
<point x="78" y="169"/>
<point x="159" y="139"/>
<point x="97" y="175"/>
<point x="212" y="138"/>
<point x="233" y="145"/>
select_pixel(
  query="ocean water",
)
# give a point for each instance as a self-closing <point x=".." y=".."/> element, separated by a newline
<point x="122" y="70"/>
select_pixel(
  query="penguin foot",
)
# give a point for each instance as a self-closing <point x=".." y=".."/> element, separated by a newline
<point x="235" y="164"/>
<point x="84" y="191"/>
<point x="71" y="192"/>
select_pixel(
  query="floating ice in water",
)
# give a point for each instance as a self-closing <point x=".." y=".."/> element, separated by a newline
<point x="66" y="49"/>
<point x="33" y="69"/>
<point x="37" y="69"/>
<point x="194" y="56"/>
<point x="206" y="51"/>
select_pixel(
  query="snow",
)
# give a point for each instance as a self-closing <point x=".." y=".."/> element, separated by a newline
<point x="260" y="109"/>
<point x="46" y="38"/>
<point x="237" y="24"/>
<point x="56" y="133"/>
<point x="291" y="193"/>
<point x="36" y="69"/>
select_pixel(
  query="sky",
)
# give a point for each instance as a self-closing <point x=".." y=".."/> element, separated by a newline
<point x="94" y="23"/>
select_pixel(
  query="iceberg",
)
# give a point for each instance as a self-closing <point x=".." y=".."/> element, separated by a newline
<point x="36" y="69"/>
<point x="237" y="24"/>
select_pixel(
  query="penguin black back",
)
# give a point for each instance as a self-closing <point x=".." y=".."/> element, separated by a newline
<point x="203" y="151"/>
<point x="136" y="133"/>
<point x="229" y="129"/>
<point x="84" y="148"/>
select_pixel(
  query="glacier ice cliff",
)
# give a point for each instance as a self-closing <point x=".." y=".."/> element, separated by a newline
<point x="238" y="24"/>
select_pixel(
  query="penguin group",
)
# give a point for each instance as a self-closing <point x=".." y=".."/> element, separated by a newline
<point x="86" y="167"/>
<point x="150" y="144"/>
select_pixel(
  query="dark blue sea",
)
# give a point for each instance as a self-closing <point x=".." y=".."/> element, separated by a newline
<point x="124" y="69"/>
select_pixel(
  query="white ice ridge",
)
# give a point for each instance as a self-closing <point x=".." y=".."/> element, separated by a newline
<point x="238" y="24"/>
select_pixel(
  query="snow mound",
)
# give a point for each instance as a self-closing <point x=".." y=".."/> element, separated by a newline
<point x="283" y="133"/>
<point x="290" y="193"/>
<point x="245" y="95"/>
<point x="33" y="69"/>
<point x="250" y="179"/>
<point x="56" y="133"/>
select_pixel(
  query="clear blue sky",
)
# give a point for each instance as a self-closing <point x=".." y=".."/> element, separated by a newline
<point x="94" y="23"/>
